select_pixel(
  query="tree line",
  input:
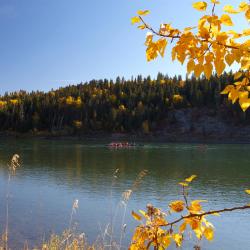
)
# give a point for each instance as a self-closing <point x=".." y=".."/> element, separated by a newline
<point x="138" y="104"/>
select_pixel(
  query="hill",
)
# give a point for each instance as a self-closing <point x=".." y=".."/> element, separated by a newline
<point x="140" y="105"/>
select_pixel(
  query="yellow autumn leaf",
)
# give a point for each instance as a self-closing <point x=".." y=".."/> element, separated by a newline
<point x="183" y="227"/>
<point x="190" y="66"/>
<point x="237" y="83"/>
<point x="141" y="27"/>
<point x="196" y="206"/>
<point x="227" y="89"/>
<point x="149" y="39"/>
<point x="173" y="54"/>
<point x="209" y="233"/>
<point x="201" y="6"/>
<point x="194" y="223"/>
<point x="246" y="32"/>
<point x="233" y="95"/>
<point x="143" y="12"/>
<point x="247" y="191"/>
<point x="229" y="59"/>
<point x="222" y="37"/>
<point x="215" y="2"/>
<point x="152" y="51"/>
<point x="209" y="57"/>
<point x="230" y="9"/>
<point x="178" y="239"/>
<point x="135" y="19"/>
<point x="219" y="66"/>
<point x="198" y="69"/>
<point x="191" y="178"/>
<point x="189" y="28"/>
<point x="136" y="216"/>
<point x="226" y="20"/>
<point x="244" y="104"/>
<point x="161" y="44"/>
<point x="243" y="94"/>
<point x="243" y="6"/>
<point x="247" y="14"/>
<point x="166" y="241"/>
<point x="237" y="75"/>
<point x="208" y="69"/>
<point x="245" y="62"/>
<point x="177" y="206"/>
<point x="200" y="59"/>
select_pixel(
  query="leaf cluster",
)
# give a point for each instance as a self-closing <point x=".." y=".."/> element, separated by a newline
<point x="157" y="229"/>
<point x="206" y="47"/>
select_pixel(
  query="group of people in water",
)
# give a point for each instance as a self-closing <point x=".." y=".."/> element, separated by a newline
<point x="121" y="145"/>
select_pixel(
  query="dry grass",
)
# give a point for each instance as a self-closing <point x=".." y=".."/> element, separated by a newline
<point x="71" y="239"/>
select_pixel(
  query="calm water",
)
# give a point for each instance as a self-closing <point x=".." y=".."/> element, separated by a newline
<point x="54" y="173"/>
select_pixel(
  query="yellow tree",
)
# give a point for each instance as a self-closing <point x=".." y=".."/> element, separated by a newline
<point x="207" y="47"/>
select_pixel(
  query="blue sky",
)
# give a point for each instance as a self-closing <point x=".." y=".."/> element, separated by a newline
<point x="50" y="43"/>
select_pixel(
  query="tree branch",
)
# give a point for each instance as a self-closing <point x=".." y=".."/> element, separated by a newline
<point x="204" y="214"/>
<point x="178" y="37"/>
<point x="157" y="33"/>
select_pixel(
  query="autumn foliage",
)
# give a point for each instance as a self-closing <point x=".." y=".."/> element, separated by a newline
<point x="208" y="46"/>
<point x="159" y="230"/>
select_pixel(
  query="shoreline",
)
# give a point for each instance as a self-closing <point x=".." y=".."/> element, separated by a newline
<point x="156" y="137"/>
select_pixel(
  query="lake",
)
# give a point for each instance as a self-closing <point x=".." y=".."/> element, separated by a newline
<point x="56" y="172"/>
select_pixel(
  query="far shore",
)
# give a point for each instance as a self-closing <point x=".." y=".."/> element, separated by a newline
<point x="153" y="137"/>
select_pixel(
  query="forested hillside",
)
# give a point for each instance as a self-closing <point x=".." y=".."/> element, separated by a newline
<point x="136" y="105"/>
